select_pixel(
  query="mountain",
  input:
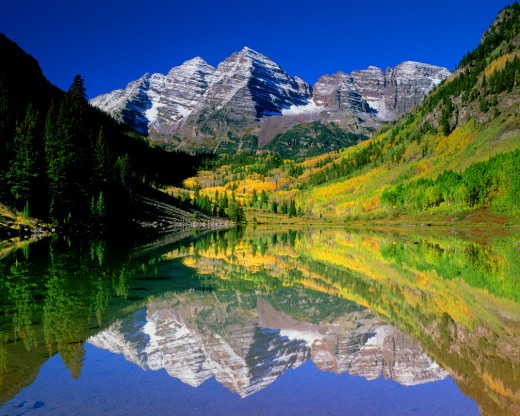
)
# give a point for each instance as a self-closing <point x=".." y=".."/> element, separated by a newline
<point x="65" y="161"/>
<point x="197" y="100"/>
<point x="386" y="95"/>
<point x="196" y="106"/>
<point x="157" y="100"/>
<point x="195" y="338"/>
<point x="21" y="82"/>
<point x="457" y="152"/>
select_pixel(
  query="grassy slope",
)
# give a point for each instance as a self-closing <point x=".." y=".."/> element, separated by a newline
<point x="360" y="195"/>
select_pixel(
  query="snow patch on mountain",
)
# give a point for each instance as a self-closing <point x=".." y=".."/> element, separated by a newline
<point x="310" y="108"/>
<point x="296" y="334"/>
<point x="380" y="110"/>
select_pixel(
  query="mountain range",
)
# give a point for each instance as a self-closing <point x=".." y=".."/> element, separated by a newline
<point x="197" y="106"/>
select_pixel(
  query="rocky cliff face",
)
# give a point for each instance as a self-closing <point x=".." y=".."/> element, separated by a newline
<point x="203" y="105"/>
<point x="243" y="88"/>
<point x="253" y="86"/>
<point x="338" y="93"/>
<point x="159" y="101"/>
<point x="383" y="96"/>
<point x="196" y="337"/>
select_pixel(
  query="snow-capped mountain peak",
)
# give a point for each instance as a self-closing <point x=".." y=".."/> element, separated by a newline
<point x="195" y="99"/>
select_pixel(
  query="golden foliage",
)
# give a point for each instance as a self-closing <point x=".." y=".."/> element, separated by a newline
<point x="190" y="183"/>
<point x="498" y="386"/>
<point x="499" y="63"/>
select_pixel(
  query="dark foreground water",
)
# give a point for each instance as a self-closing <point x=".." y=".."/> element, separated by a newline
<point x="312" y="322"/>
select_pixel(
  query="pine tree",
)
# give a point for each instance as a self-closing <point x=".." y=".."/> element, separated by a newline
<point x="22" y="171"/>
<point x="233" y="211"/>
<point x="58" y="155"/>
<point x="101" y="159"/>
<point x="263" y="199"/>
<point x="224" y="201"/>
<point x="5" y="123"/>
<point x="68" y="150"/>
<point x="292" y="209"/>
<point x="123" y="172"/>
<point x="444" y="122"/>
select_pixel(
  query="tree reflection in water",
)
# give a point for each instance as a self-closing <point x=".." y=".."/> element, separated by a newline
<point x="244" y="307"/>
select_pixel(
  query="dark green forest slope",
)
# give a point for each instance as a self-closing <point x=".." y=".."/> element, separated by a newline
<point x="310" y="139"/>
<point x="63" y="160"/>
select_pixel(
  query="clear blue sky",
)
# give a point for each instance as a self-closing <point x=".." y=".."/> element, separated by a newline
<point x="112" y="42"/>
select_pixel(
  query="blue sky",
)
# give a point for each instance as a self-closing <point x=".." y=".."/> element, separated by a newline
<point x="112" y="42"/>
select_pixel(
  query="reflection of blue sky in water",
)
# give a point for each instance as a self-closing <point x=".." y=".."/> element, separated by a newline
<point x="110" y="385"/>
<point x="262" y="325"/>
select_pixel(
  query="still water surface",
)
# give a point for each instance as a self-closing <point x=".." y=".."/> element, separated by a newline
<point x="308" y="322"/>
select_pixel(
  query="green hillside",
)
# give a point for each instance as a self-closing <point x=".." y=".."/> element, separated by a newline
<point x="65" y="162"/>
<point x="457" y="152"/>
<point x="311" y="139"/>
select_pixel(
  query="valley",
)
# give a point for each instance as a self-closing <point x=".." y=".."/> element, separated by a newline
<point x="230" y="239"/>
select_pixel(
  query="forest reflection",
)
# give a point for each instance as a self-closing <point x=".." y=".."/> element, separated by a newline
<point x="456" y="300"/>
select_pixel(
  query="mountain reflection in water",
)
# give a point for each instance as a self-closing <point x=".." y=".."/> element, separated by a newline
<point x="246" y="344"/>
<point x="243" y="308"/>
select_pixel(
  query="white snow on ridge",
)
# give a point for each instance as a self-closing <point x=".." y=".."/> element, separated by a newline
<point x="380" y="334"/>
<point x="308" y="336"/>
<point x="152" y="113"/>
<point x="380" y="107"/>
<point x="310" y="108"/>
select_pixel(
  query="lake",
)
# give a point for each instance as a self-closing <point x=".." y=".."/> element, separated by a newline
<point x="413" y="321"/>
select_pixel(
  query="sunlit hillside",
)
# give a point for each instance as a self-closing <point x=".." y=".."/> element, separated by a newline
<point x="458" y="152"/>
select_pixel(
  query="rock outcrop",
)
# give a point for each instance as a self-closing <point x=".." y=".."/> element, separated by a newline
<point x="159" y="101"/>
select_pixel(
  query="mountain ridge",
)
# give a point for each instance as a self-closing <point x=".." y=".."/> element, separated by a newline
<point x="247" y="88"/>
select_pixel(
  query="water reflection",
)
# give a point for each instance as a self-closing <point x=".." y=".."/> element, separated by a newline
<point x="247" y="340"/>
<point x="244" y="308"/>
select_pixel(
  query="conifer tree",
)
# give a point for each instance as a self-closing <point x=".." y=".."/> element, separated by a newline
<point x="68" y="152"/>
<point x="101" y="159"/>
<point x="224" y="201"/>
<point x="233" y="211"/>
<point x="123" y="172"/>
<point x="22" y="171"/>
<point x="292" y="209"/>
<point x="263" y="199"/>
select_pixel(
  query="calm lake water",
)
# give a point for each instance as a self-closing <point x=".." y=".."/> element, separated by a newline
<point x="297" y="322"/>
